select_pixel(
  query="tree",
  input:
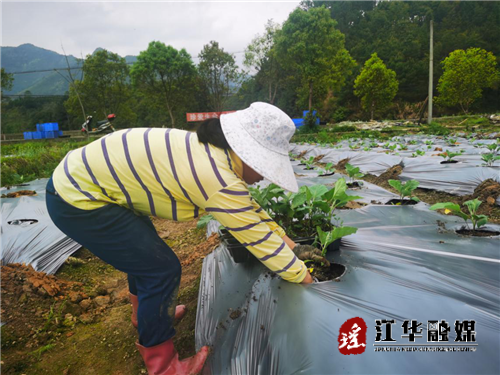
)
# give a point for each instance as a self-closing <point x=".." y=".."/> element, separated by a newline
<point x="105" y="86"/>
<point x="465" y="75"/>
<point x="261" y="56"/>
<point x="376" y="85"/>
<point x="7" y="80"/>
<point x="165" y="75"/>
<point x="103" y="89"/>
<point x="310" y="47"/>
<point x="219" y="72"/>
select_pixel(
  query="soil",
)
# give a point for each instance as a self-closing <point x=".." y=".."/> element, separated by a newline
<point x="318" y="158"/>
<point x="325" y="273"/>
<point x="341" y="164"/>
<point x="391" y="174"/>
<point x="354" y="185"/>
<point x="78" y="321"/>
<point x="301" y="154"/>
<point x="19" y="193"/>
<point x="477" y="233"/>
<point x="235" y="314"/>
<point x="352" y="205"/>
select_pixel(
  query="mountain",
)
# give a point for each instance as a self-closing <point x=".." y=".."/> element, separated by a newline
<point x="28" y="57"/>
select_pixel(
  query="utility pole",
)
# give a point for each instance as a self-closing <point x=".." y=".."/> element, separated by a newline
<point x="431" y="61"/>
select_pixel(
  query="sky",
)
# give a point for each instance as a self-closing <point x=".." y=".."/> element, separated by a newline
<point x="127" y="28"/>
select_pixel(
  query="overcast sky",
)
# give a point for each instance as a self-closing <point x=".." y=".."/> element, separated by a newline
<point x="126" y="28"/>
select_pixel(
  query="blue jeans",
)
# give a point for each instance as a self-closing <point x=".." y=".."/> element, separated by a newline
<point x="129" y="243"/>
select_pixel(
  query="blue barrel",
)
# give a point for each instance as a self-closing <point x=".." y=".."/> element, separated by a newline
<point x="28" y="135"/>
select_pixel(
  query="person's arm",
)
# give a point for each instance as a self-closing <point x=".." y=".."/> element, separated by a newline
<point x="233" y="208"/>
<point x="289" y="241"/>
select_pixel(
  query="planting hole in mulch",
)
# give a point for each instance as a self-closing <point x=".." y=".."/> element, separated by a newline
<point x="401" y="202"/>
<point x="325" y="273"/>
<point x="326" y="174"/>
<point x="354" y="185"/>
<point x="477" y="233"/>
<point x="309" y="169"/>
<point x="449" y="162"/>
<point x="22" y="222"/>
<point x="19" y="193"/>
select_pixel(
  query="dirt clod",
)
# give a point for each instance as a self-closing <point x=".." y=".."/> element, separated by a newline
<point x="20" y="193"/>
<point x="235" y="314"/>
<point x="102" y="301"/>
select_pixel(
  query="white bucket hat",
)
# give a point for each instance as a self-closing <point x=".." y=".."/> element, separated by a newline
<point x="260" y="136"/>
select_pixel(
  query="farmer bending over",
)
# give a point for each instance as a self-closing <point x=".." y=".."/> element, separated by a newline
<point x="102" y="194"/>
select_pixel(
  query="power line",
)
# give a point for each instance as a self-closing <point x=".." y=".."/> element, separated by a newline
<point x="31" y="95"/>
<point x="81" y="67"/>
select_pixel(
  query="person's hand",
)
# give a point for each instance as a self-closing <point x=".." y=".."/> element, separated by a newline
<point x="308" y="279"/>
<point x="308" y="252"/>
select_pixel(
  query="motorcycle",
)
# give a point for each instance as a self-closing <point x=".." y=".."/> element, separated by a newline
<point x="103" y="126"/>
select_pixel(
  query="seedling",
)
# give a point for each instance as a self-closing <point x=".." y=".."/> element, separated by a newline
<point x="403" y="147"/>
<point x="353" y="172"/>
<point x="472" y="206"/>
<point x="449" y="155"/>
<point x="412" y="142"/>
<point x="405" y="189"/>
<point x="309" y="163"/>
<point x="489" y="159"/>
<point x="353" y="147"/>
<point x="418" y="153"/>
<point x="373" y="144"/>
<point x="328" y="237"/>
<point x="494" y="147"/>
<point x="326" y="170"/>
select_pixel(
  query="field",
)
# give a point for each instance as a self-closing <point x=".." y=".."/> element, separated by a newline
<point x="78" y="320"/>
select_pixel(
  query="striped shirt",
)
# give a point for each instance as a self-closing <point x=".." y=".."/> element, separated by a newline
<point x="168" y="173"/>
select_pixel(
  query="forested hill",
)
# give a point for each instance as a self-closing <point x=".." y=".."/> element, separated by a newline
<point x="398" y="31"/>
<point x="28" y="57"/>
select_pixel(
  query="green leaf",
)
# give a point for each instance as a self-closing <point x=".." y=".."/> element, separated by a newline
<point x="204" y="220"/>
<point x="481" y="220"/>
<point x="317" y="191"/>
<point x="453" y="207"/>
<point x="473" y="205"/>
<point x="396" y="184"/>
<point x="298" y="200"/>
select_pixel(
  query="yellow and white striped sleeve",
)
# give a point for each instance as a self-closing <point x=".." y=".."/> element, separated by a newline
<point x="264" y="217"/>
<point x="233" y="208"/>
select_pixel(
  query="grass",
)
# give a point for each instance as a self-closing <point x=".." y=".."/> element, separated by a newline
<point x="25" y="162"/>
<point x="38" y="353"/>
